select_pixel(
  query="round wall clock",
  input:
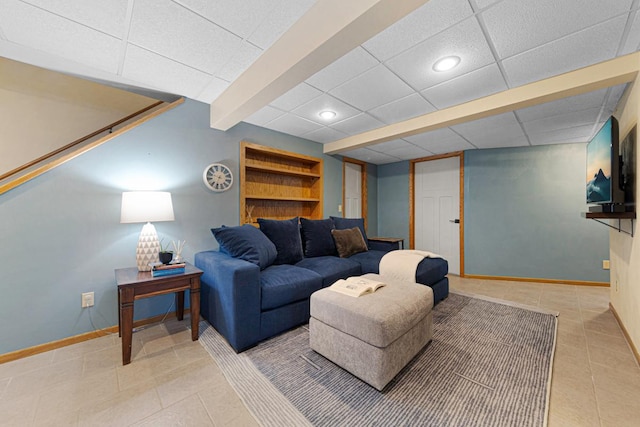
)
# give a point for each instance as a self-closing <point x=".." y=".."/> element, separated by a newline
<point x="217" y="177"/>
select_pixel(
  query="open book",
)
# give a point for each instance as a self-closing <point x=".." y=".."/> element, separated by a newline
<point x="356" y="286"/>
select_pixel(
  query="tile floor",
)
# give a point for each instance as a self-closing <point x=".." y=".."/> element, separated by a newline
<point x="173" y="381"/>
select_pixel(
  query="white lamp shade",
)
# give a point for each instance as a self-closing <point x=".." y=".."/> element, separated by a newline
<point x="146" y="206"/>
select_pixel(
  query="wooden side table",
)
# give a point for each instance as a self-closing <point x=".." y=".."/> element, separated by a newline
<point x="391" y="240"/>
<point x="134" y="284"/>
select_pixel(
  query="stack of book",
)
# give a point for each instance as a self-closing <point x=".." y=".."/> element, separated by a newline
<point x="159" y="269"/>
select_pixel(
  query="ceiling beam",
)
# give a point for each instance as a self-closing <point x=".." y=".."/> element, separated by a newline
<point x="616" y="71"/>
<point x="329" y="30"/>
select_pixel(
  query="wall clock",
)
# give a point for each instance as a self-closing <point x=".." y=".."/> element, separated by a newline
<point x="217" y="177"/>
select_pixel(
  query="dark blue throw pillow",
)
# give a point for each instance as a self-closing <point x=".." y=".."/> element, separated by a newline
<point x="317" y="238"/>
<point x="285" y="235"/>
<point x="347" y="223"/>
<point x="246" y="242"/>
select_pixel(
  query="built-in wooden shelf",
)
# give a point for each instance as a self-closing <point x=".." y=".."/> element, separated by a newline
<point x="597" y="216"/>
<point x="278" y="184"/>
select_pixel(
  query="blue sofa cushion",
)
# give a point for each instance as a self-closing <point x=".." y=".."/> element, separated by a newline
<point x="285" y="235"/>
<point x="344" y="223"/>
<point x="316" y="237"/>
<point x="331" y="268"/>
<point x="431" y="270"/>
<point x="369" y="261"/>
<point x="285" y="284"/>
<point x="349" y="241"/>
<point x="246" y="242"/>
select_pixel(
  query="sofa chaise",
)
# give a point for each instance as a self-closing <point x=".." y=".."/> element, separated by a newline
<point x="259" y="282"/>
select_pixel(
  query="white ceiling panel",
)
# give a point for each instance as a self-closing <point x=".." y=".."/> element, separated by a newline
<point x="170" y="30"/>
<point x="371" y="89"/>
<point x="578" y="50"/>
<point x="107" y="16"/>
<point x="283" y="16"/>
<point x="572" y="119"/>
<point x="632" y="42"/>
<point x="502" y="130"/>
<point x="239" y="17"/>
<point x="515" y="25"/>
<point x="371" y="156"/>
<point x="311" y="109"/>
<point x="407" y="152"/>
<point x="297" y="96"/>
<point x="402" y="109"/>
<point x="440" y="141"/>
<point x="293" y="125"/>
<point x="30" y="26"/>
<point x="240" y="61"/>
<point x="350" y="65"/>
<point x="357" y="124"/>
<point x="141" y="64"/>
<point x="563" y="136"/>
<point x="324" y="135"/>
<point x="426" y="21"/>
<point x="264" y="116"/>
<point x="482" y="4"/>
<point x="212" y="90"/>
<point x="613" y="98"/>
<point x="465" y="40"/>
<point x="477" y="84"/>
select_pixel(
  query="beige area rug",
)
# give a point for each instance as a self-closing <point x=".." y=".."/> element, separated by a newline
<point x="489" y="364"/>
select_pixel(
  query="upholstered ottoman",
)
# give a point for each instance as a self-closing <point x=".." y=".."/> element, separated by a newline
<point x="373" y="336"/>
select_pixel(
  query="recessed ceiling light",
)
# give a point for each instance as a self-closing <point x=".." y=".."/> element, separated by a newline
<point x="446" y="63"/>
<point x="327" y="115"/>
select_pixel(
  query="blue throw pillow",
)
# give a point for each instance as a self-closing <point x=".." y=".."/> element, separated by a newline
<point x="317" y="238"/>
<point x="246" y="242"/>
<point x="285" y="235"/>
<point x="347" y="223"/>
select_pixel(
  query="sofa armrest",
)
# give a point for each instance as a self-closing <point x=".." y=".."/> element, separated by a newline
<point x="230" y="297"/>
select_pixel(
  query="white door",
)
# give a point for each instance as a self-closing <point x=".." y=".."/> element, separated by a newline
<point x="352" y="190"/>
<point x="437" y="209"/>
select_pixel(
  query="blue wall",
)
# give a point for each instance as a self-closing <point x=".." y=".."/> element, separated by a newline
<point x="61" y="232"/>
<point x="523" y="215"/>
<point x="393" y="200"/>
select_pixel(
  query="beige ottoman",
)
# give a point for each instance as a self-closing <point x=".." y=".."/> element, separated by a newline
<point x="373" y="336"/>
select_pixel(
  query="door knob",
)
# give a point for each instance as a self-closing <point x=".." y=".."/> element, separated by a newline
<point x="455" y="221"/>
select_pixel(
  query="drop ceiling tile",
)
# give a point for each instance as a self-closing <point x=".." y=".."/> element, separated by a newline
<point x="142" y="65"/>
<point x="514" y="25"/>
<point x="243" y="58"/>
<point x="563" y="136"/>
<point x="281" y="18"/>
<point x="297" y="96"/>
<point x="212" y="90"/>
<point x="32" y="27"/>
<point x="324" y="135"/>
<point x="357" y="124"/>
<point x="400" y="149"/>
<point x="612" y="100"/>
<point x="588" y="47"/>
<point x="371" y="89"/>
<point x="370" y="156"/>
<point x="168" y="29"/>
<point x="483" y="4"/>
<point x="105" y="16"/>
<point x="440" y="141"/>
<point x="632" y="42"/>
<point x="502" y="130"/>
<point x="311" y="110"/>
<point x="293" y="125"/>
<point x="350" y="65"/>
<point x="476" y="84"/>
<point x="562" y="121"/>
<point x="264" y="116"/>
<point x="426" y="21"/>
<point x="239" y="17"/>
<point x="562" y="106"/>
<point x="395" y="144"/>
<point x="466" y="40"/>
<point x="405" y="108"/>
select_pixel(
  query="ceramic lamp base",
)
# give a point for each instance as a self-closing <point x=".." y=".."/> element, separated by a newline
<point x="148" y="247"/>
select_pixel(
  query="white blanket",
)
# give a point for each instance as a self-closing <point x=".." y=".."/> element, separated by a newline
<point x="401" y="265"/>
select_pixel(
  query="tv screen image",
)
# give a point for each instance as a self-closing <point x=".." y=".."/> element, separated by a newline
<point x="599" y="162"/>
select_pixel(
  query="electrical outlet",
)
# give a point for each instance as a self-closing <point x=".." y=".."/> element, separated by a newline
<point x="87" y="299"/>
<point x="340" y="208"/>
<point x="605" y="264"/>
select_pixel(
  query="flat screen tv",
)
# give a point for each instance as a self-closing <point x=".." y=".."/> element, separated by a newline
<point x="604" y="181"/>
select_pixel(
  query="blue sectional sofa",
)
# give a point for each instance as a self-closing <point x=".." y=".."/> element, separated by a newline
<point x="259" y="282"/>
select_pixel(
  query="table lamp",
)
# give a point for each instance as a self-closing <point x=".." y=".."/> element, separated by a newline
<point x="146" y="206"/>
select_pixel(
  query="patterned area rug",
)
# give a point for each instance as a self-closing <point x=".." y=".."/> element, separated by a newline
<point x="489" y="364"/>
